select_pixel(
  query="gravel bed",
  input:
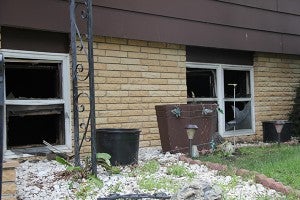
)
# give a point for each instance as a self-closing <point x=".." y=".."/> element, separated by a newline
<point x="40" y="179"/>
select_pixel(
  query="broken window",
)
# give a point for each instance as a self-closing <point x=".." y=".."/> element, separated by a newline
<point x="37" y="100"/>
<point x="229" y="86"/>
<point x="32" y="80"/>
<point x="201" y="83"/>
<point x="237" y="100"/>
<point x="242" y="81"/>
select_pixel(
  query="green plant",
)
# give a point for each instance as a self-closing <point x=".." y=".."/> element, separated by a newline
<point x="77" y="172"/>
<point x="154" y="184"/>
<point x="86" y="189"/>
<point x="69" y="166"/>
<point x="179" y="171"/>
<point x="104" y="160"/>
<point x="151" y="167"/>
<point x="71" y="185"/>
<point x="115" y="188"/>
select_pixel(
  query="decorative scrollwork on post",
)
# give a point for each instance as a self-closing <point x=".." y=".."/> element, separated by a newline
<point x="77" y="75"/>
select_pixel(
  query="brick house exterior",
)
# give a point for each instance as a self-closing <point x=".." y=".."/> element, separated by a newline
<point x="135" y="72"/>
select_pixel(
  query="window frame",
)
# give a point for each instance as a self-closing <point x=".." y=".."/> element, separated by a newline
<point x="221" y="96"/>
<point x="65" y="84"/>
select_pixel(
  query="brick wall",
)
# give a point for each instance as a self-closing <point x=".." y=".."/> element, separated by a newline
<point x="8" y="180"/>
<point x="131" y="77"/>
<point x="275" y="77"/>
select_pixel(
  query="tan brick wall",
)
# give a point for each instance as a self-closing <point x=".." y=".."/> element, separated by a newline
<point x="8" y="180"/>
<point x="275" y="77"/>
<point x="131" y="77"/>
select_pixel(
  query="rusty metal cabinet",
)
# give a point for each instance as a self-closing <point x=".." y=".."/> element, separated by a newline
<point x="172" y="120"/>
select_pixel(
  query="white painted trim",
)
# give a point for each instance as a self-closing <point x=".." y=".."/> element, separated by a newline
<point x="220" y="86"/>
<point x="253" y="100"/>
<point x="237" y="99"/>
<point x="202" y="65"/>
<point x="33" y="55"/>
<point x="201" y="99"/>
<point x="65" y="64"/>
<point x="34" y="102"/>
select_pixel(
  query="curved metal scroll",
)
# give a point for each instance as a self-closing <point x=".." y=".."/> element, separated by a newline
<point x="86" y="15"/>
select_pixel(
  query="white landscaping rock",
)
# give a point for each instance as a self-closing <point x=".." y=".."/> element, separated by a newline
<point x="39" y="180"/>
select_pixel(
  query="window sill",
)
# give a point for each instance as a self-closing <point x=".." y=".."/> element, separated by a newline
<point x="238" y="133"/>
<point x="14" y="154"/>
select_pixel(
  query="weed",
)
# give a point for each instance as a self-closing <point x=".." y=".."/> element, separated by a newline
<point x="150" y="167"/>
<point x="154" y="184"/>
<point x="115" y="188"/>
<point x="78" y="173"/>
<point x="232" y="183"/>
<point x="179" y="171"/>
<point x="71" y="185"/>
<point x="86" y="189"/>
<point x="103" y="160"/>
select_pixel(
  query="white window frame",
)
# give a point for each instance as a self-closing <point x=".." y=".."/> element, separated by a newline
<point x="65" y="100"/>
<point x="221" y="98"/>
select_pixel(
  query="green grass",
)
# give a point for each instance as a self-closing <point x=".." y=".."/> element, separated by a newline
<point x="151" y="167"/>
<point x="179" y="171"/>
<point x="152" y="183"/>
<point x="281" y="163"/>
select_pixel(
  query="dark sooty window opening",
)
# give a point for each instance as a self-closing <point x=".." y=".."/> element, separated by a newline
<point x="28" y="80"/>
<point x="201" y="82"/>
<point x="241" y="78"/>
<point x="33" y="129"/>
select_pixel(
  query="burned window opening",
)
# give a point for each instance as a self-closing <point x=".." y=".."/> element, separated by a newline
<point x="47" y="98"/>
<point x="31" y="130"/>
<point x="32" y="80"/>
<point x="242" y="81"/>
<point x="220" y="89"/>
<point x="201" y="83"/>
<point x="27" y="125"/>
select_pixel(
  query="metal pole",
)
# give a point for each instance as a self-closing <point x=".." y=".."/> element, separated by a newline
<point x="190" y="148"/>
<point x="1" y="118"/>
<point x="234" y="114"/>
<point x="91" y="84"/>
<point x="234" y="123"/>
<point x="75" y="83"/>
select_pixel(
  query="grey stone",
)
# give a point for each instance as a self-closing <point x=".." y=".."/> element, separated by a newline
<point x="199" y="191"/>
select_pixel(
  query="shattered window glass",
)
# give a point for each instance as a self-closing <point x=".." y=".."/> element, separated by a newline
<point x="242" y="116"/>
<point x="227" y="85"/>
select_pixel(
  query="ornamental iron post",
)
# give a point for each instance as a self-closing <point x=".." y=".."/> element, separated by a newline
<point x="1" y="117"/>
<point x="86" y="14"/>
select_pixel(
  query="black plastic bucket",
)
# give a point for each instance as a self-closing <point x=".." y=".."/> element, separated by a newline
<point x="121" y="144"/>
<point x="270" y="133"/>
